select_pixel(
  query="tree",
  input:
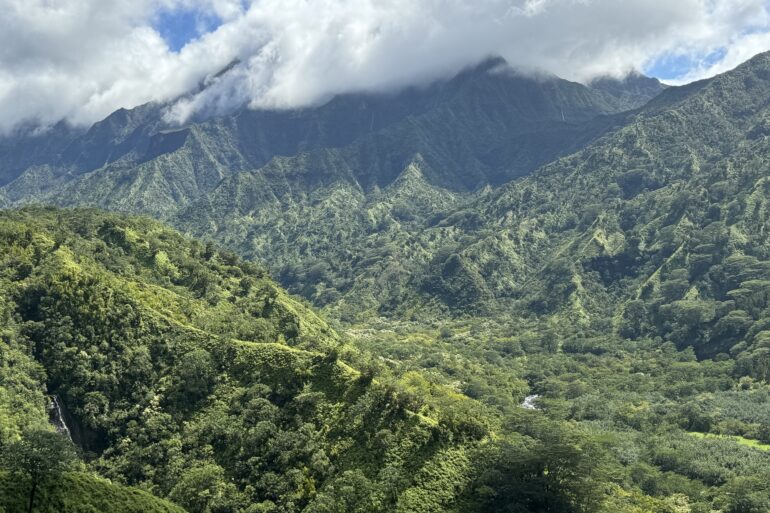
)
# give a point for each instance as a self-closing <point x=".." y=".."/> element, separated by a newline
<point x="745" y="495"/>
<point x="206" y="489"/>
<point x="195" y="377"/>
<point x="40" y="455"/>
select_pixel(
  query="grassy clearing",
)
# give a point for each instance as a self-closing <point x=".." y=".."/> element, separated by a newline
<point x="748" y="442"/>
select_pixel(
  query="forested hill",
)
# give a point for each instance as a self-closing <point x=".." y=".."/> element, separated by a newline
<point x="657" y="229"/>
<point x="187" y="372"/>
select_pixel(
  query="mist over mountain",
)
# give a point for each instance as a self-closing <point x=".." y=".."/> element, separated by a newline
<point x="520" y="106"/>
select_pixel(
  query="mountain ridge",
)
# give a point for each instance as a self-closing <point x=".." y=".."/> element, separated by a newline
<point x="138" y="129"/>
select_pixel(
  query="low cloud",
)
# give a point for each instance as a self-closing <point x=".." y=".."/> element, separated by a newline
<point x="79" y="60"/>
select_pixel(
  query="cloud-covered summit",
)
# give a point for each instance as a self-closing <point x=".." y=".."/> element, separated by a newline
<point x="79" y="60"/>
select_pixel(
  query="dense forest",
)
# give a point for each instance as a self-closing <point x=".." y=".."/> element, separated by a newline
<point x="187" y="373"/>
<point x="477" y="326"/>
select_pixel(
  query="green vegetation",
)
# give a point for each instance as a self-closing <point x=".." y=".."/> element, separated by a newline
<point x="623" y="277"/>
<point x="40" y="456"/>
<point x="80" y="493"/>
<point x="330" y="199"/>
<point x="735" y="438"/>
<point x="188" y="373"/>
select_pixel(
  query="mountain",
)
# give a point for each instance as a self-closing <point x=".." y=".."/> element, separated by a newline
<point x="309" y="188"/>
<point x="484" y="109"/>
<point x="582" y="236"/>
<point x="630" y="92"/>
<point x="663" y="217"/>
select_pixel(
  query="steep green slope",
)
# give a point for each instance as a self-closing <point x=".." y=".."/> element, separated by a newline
<point x="582" y="236"/>
<point x="659" y="223"/>
<point x="80" y="492"/>
<point x="187" y="372"/>
<point x="326" y="242"/>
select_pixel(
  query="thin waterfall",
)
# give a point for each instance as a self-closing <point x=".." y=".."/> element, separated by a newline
<point x="57" y="417"/>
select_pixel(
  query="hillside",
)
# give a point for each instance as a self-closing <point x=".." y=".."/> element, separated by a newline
<point x="81" y="492"/>
<point x="186" y="372"/>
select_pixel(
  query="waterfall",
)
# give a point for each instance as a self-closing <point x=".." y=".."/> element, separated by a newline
<point x="529" y="402"/>
<point x="57" y="417"/>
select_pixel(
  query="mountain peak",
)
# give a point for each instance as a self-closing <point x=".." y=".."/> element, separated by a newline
<point x="491" y="63"/>
<point x="634" y="78"/>
<point x="634" y="90"/>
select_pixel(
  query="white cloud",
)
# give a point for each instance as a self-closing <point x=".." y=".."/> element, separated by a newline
<point x="743" y="48"/>
<point x="81" y="59"/>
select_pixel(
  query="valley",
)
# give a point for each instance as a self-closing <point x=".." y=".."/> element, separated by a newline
<point x="495" y="293"/>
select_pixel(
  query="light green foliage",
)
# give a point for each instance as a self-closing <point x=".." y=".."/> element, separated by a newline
<point x="217" y="390"/>
<point x="81" y="493"/>
<point x="735" y="438"/>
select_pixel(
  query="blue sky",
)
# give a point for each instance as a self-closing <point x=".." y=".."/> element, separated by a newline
<point x="670" y="67"/>
<point x="180" y="26"/>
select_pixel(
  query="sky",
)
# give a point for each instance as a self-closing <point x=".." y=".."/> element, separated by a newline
<point x="80" y="60"/>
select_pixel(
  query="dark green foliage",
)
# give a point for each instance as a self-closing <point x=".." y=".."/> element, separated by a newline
<point x="39" y="457"/>
<point x="233" y="397"/>
<point x="557" y="480"/>
<point x="80" y="493"/>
